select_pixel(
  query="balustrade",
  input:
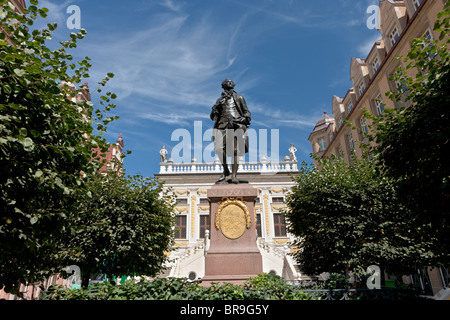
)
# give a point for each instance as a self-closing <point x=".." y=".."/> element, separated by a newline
<point x="247" y="167"/>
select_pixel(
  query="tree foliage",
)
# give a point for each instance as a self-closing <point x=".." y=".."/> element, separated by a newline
<point x="413" y="141"/>
<point x="347" y="218"/>
<point x="46" y="141"/>
<point x="125" y="227"/>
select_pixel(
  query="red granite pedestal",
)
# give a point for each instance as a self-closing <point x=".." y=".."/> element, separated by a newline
<point x="232" y="257"/>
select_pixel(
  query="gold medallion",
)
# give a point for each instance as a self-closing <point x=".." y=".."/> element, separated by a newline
<point x="232" y="218"/>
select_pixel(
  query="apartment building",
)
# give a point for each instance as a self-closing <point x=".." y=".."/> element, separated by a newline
<point x="19" y="5"/>
<point x="400" y="23"/>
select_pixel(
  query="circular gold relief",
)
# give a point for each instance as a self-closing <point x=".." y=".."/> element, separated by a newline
<point x="233" y="221"/>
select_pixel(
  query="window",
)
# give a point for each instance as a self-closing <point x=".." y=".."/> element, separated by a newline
<point x="393" y="37"/>
<point x="279" y="224"/>
<point x="204" y="201"/>
<point x="351" y="142"/>
<point x="400" y="85"/>
<point x="322" y="145"/>
<point x="340" y="122"/>
<point x="361" y="88"/>
<point x="349" y="107"/>
<point x="180" y="227"/>
<point x="429" y="39"/>
<point x="204" y="225"/>
<point x="364" y="126"/>
<point x="182" y="201"/>
<point x="258" y="225"/>
<point x="379" y="105"/>
<point x="428" y="35"/>
<point x="417" y="3"/>
<point x="375" y="65"/>
<point x="278" y="200"/>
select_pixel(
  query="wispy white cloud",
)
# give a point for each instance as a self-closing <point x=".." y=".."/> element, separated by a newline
<point x="170" y="70"/>
<point x="171" y="5"/>
<point x="170" y="61"/>
<point x="178" y="119"/>
<point x="366" y="46"/>
<point x="277" y="117"/>
<point x="57" y="11"/>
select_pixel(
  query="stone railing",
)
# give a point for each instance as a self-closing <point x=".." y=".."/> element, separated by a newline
<point x="262" y="167"/>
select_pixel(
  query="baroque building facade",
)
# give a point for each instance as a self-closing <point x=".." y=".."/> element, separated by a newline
<point x="399" y="23"/>
<point x="189" y="183"/>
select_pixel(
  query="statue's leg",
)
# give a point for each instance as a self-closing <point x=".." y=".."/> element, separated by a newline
<point x="234" y="169"/>
<point x="226" y="171"/>
<point x="220" y="148"/>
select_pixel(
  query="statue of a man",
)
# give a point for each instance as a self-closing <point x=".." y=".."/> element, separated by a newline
<point x="232" y="119"/>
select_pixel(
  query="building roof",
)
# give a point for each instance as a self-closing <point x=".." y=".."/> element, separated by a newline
<point x="323" y="122"/>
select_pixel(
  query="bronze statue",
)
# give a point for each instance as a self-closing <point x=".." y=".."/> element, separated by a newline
<point x="232" y="119"/>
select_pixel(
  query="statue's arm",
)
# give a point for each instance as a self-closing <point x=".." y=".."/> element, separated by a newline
<point x="246" y="113"/>
<point x="215" y="111"/>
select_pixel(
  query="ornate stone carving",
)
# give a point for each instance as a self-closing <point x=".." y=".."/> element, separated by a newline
<point x="232" y="218"/>
<point x="278" y="207"/>
<point x="193" y="201"/>
<point x="266" y="209"/>
<point x="203" y="208"/>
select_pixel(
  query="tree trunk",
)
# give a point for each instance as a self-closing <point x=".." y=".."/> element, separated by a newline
<point x="382" y="277"/>
<point x="85" y="280"/>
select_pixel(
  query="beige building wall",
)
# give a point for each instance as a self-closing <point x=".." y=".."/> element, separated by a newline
<point x="401" y="22"/>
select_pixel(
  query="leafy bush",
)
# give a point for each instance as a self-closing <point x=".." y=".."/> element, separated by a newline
<point x="337" y="281"/>
<point x="262" y="287"/>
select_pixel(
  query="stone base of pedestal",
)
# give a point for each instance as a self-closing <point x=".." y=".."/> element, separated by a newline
<point x="232" y="267"/>
<point x="233" y="255"/>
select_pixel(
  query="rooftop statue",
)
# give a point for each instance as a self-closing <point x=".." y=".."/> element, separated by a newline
<point x="163" y="154"/>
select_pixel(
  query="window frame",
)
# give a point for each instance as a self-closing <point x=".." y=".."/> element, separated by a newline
<point x="258" y="225"/>
<point x="376" y="65"/>
<point x="379" y="106"/>
<point x="349" y="109"/>
<point x="181" y="228"/>
<point x="417" y="4"/>
<point x="351" y="141"/>
<point x="364" y="126"/>
<point x="361" y="88"/>
<point x="204" y="224"/>
<point x="182" y="201"/>
<point x="279" y="225"/>
<point x="394" y="35"/>
<point x="324" y="146"/>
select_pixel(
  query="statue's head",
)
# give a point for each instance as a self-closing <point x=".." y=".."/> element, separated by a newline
<point x="228" y="84"/>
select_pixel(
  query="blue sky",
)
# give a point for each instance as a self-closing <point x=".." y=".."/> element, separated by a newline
<point x="287" y="58"/>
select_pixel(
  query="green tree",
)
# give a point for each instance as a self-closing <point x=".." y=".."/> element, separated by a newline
<point x="414" y="140"/>
<point x="46" y="142"/>
<point x="125" y="227"/>
<point x="347" y="218"/>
